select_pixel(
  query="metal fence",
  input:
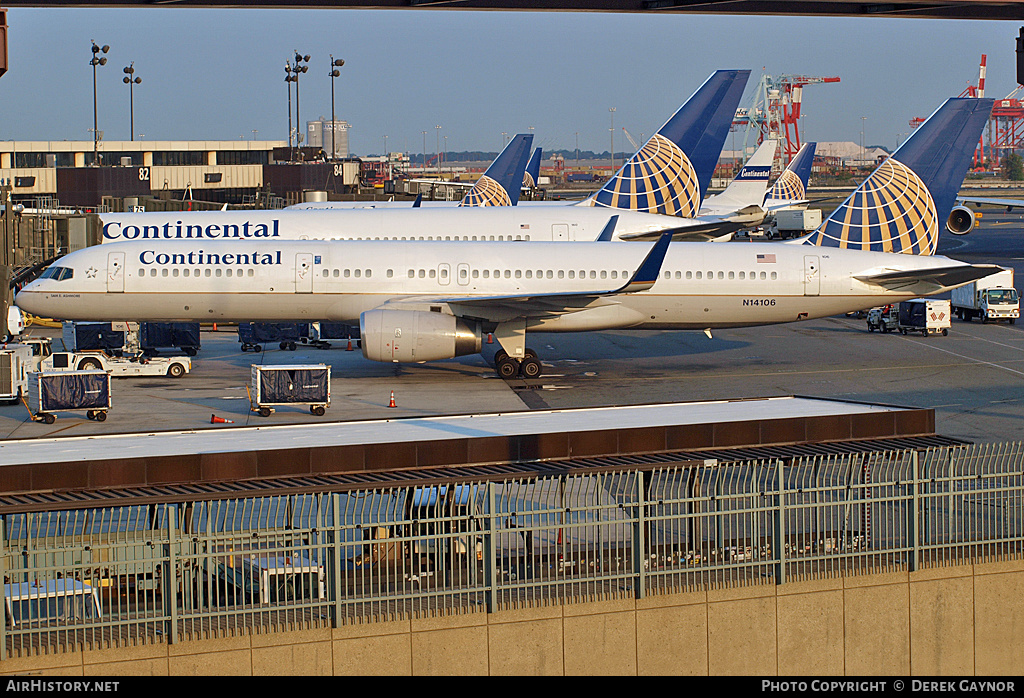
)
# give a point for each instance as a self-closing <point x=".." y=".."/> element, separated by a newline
<point x="99" y="578"/>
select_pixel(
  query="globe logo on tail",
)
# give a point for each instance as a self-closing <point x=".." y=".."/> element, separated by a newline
<point x="486" y="192"/>
<point x="892" y="211"/>
<point x="787" y="188"/>
<point x="657" y="179"/>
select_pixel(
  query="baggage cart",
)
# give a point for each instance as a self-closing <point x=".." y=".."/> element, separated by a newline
<point x="296" y="384"/>
<point x="16" y="361"/>
<point x="62" y="391"/>
<point x="253" y="335"/>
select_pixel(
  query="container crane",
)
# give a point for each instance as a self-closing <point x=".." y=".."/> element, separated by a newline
<point x="775" y="111"/>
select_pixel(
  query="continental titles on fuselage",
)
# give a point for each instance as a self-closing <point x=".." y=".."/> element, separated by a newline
<point x="199" y="258"/>
<point x="178" y="231"/>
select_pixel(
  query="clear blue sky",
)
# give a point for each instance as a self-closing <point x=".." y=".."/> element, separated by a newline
<point x="219" y="74"/>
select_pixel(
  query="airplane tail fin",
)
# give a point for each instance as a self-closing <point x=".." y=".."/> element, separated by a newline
<point x="792" y="183"/>
<point x="501" y="183"/>
<point x="671" y="172"/>
<point x="749" y="186"/>
<point x="532" y="174"/>
<point x="905" y="202"/>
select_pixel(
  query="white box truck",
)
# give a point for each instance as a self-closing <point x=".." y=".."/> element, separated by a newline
<point x="794" y="222"/>
<point x="992" y="298"/>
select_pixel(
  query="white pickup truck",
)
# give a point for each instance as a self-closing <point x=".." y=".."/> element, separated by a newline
<point x="175" y="367"/>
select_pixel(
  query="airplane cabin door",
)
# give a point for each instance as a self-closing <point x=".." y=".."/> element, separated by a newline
<point x="463" y="272"/>
<point x="115" y="272"/>
<point x="812" y="276"/>
<point x="560" y="231"/>
<point x="444" y="273"/>
<point x="304" y="272"/>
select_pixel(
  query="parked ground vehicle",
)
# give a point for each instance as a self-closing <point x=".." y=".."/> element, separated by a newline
<point x="925" y="315"/>
<point x="16" y="361"/>
<point x="794" y="222"/>
<point x="992" y="298"/>
<point x="883" y="319"/>
<point x="288" y="335"/>
<point x="117" y="366"/>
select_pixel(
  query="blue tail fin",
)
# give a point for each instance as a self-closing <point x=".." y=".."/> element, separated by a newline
<point x="532" y="175"/>
<point x="905" y="202"/>
<point x="501" y="183"/>
<point x="792" y="183"/>
<point x="671" y="173"/>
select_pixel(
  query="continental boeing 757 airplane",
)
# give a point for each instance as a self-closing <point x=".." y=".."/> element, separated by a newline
<point x="660" y="188"/>
<point x="424" y="301"/>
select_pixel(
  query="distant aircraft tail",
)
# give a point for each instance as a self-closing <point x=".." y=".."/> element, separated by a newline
<point x="749" y="186"/>
<point x="905" y="202"/>
<point x="671" y="172"/>
<point x="532" y="174"/>
<point x="792" y="183"/>
<point x="501" y="183"/>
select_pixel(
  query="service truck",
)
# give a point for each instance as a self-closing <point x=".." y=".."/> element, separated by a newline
<point x="117" y="366"/>
<point x="992" y="298"/>
<point x="794" y="222"/>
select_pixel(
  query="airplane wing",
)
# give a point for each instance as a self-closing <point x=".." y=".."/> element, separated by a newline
<point x="508" y="307"/>
<point x="978" y="201"/>
<point x="939" y="277"/>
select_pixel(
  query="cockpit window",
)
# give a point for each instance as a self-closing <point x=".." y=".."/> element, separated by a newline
<point x="58" y="273"/>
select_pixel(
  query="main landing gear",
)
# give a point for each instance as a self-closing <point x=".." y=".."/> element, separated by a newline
<point x="510" y="367"/>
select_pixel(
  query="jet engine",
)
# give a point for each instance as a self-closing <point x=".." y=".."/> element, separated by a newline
<point x="961" y="220"/>
<point x="416" y="335"/>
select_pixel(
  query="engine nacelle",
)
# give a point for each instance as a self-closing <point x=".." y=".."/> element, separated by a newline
<point x="414" y="335"/>
<point x="960" y="221"/>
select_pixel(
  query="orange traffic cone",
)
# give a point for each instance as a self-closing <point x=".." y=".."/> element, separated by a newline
<point x="392" y="403"/>
<point x="349" y="347"/>
<point x="215" y="327"/>
<point x="490" y="338"/>
<point x="214" y="419"/>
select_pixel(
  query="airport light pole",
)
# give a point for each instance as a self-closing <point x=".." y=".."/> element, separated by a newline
<point x="863" y="155"/>
<point x="96" y="60"/>
<point x="424" y="152"/>
<point x="289" y="78"/>
<point x="131" y="81"/>
<point x="298" y="69"/>
<point x="437" y="133"/>
<point x="335" y="64"/>
<point x="612" y="136"/>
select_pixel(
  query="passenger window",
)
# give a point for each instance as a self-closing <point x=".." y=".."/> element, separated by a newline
<point x="412" y="273"/>
<point x="699" y="275"/>
<point x="732" y="275"/>
<point x="432" y="274"/>
<point x="348" y="272"/>
<point x="252" y="272"/>
<point x="762" y="276"/>
<point x="369" y="273"/>
<point x="487" y="273"/>
<point x="742" y="275"/>
<point x="508" y="274"/>
<point x="689" y="275"/>
<point x="774" y="276"/>
<point x="207" y="273"/>
<point x="519" y="274"/>
<point x="572" y="274"/>
<point x="423" y="273"/>
<point x="163" y="272"/>
<point x="561" y="274"/>
<point x="391" y="273"/>
<point x="358" y="273"/>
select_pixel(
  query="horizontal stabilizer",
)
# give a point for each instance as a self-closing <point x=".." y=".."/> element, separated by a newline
<point x="701" y="232"/>
<point x="940" y="277"/>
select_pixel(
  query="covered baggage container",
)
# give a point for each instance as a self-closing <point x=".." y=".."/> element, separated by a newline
<point x="61" y="391"/>
<point x="154" y="336"/>
<point x="297" y="384"/>
<point x="288" y="335"/>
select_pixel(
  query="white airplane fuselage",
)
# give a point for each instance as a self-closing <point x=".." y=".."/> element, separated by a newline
<point x="491" y="223"/>
<point x="699" y="286"/>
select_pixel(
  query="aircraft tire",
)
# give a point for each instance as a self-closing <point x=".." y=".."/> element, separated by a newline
<point x="531" y="367"/>
<point x="507" y="368"/>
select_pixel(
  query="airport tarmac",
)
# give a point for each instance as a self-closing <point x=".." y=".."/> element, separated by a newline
<point x="973" y="378"/>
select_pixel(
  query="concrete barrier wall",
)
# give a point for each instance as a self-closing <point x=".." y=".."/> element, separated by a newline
<point x="962" y="620"/>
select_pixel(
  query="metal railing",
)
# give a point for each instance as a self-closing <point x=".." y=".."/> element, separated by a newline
<point x="99" y="578"/>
